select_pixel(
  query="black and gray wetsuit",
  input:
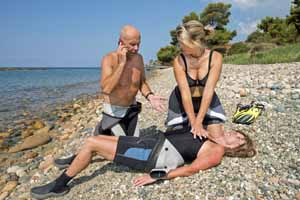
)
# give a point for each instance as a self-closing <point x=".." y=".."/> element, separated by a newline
<point x="119" y="120"/>
<point x="177" y="116"/>
<point x="160" y="152"/>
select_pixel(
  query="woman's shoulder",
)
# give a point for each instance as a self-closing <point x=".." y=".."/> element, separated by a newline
<point x="178" y="60"/>
<point x="215" y="54"/>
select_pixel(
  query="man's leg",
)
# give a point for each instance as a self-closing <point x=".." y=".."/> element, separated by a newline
<point x="103" y="145"/>
<point x="63" y="163"/>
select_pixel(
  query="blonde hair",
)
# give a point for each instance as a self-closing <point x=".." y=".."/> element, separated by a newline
<point x="193" y="33"/>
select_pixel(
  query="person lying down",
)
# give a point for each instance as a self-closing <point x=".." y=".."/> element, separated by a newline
<point x="161" y="156"/>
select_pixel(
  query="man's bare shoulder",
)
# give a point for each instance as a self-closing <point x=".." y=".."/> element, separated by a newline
<point x="110" y="59"/>
<point x="110" y="56"/>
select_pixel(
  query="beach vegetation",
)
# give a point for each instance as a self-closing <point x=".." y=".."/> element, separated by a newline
<point x="281" y="54"/>
<point x="215" y="15"/>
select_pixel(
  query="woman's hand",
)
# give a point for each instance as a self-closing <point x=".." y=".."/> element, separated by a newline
<point x="143" y="180"/>
<point x="198" y="130"/>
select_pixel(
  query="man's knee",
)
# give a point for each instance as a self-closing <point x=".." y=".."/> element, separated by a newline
<point x="89" y="142"/>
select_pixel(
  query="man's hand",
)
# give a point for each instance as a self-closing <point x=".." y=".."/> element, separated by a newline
<point x="143" y="180"/>
<point x="157" y="102"/>
<point x="198" y="130"/>
<point x="122" y="52"/>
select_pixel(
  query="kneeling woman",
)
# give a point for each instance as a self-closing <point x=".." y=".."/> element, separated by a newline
<point x="197" y="70"/>
<point x="161" y="155"/>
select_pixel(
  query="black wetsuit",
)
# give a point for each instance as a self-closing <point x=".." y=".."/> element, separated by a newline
<point x="186" y="145"/>
<point x="176" y="113"/>
<point x="136" y="152"/>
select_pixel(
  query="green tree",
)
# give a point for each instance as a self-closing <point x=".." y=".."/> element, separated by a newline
<point x="265" y="24"/>
<point x="220" y="37"/>
<point x="174" y="40"/>
<point x="294" y="17"/>
<point x="275" y="30"/>
<point x="217" y="15"/>
<point x="191" y="16"/>
<point x="256" y="37"/>
<point x="239" y="47"/>
<point x="167" y="54"/>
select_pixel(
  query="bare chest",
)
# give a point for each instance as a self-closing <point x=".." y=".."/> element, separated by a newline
<point x="131" y="76"/>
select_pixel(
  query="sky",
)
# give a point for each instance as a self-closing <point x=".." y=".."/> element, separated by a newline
<point x="77" y="33"/>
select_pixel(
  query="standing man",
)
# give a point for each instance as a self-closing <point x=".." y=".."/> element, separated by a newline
<point x="122" y="77"/>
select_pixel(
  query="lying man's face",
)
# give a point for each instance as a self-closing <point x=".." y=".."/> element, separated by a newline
<point x="234" y="139"/>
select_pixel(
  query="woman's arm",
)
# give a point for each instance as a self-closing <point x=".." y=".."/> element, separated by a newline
<point x="208" y="92"/>
<point x="185" y="92"/>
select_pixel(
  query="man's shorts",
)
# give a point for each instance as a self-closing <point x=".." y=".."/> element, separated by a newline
<point x="119" y="120"/>
<point x="134" y="152"/>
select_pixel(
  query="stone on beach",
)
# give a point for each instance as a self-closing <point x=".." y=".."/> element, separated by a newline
<point x="4" y="135"/>
<point x="3" y="195"/>
<point x="243" y="92"/>
<point x="10" y="185"/>
<point x="30" y="155"/>
<point x="26" y="133"/>
<point x="38" y="124"/>
<point x="31" y="142"/>
<point x="76" y="106"/>
<point x="272" y="174"/>
<point x="47" y="163"/>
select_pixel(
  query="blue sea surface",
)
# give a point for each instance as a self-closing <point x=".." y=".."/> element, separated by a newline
<point x="33" y="90"/>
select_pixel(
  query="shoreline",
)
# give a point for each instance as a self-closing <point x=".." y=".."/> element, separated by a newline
<point x="273" y="173"/>
<point x="22" y="68"/>
<point x="50" y="113"/>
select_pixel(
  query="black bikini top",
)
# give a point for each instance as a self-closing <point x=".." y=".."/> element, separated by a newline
<point x="193" y="82"/>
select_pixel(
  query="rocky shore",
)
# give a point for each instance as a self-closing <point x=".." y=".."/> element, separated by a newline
<point x="274" y="173"/>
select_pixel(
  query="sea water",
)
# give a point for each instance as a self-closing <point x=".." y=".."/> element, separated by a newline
<point x="34" y="90"/>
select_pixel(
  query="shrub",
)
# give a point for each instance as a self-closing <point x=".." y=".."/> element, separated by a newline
<point x="239" y="47"/>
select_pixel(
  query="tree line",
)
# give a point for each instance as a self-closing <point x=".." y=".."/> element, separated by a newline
<point x="270" y="32"/>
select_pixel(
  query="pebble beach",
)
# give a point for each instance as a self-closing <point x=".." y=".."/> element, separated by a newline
<point x="274" y="173"/>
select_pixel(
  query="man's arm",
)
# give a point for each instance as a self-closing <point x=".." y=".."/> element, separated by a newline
<point x="110" y="77"/>
<point x="210" y="155"/>
<point x="155" y="101"/>
<point x="144" y="87"/>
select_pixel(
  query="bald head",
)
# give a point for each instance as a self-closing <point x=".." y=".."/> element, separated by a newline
<point x="130" y="37"/>
<point x="129" y="32"/>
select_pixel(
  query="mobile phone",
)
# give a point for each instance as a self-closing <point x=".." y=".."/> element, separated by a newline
<point x="120" y="42"/>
